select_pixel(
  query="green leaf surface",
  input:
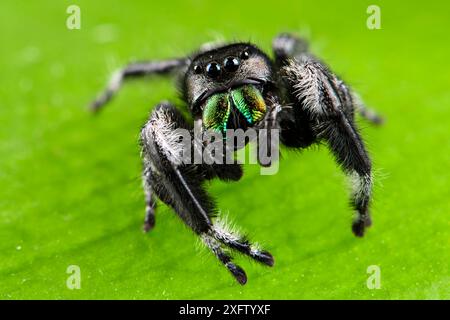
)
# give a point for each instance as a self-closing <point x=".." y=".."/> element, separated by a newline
<point x="70" y="190"/>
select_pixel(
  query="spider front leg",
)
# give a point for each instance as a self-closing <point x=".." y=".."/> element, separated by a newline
<point x="288" y="47"/>
<point x="135" y="70"/>
<point x="318" y="96"/>
<point x="179" y="184"/>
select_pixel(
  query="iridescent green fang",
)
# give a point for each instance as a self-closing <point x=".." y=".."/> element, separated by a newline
<point x="249" y="101"/>
<point x="216" y="112"/>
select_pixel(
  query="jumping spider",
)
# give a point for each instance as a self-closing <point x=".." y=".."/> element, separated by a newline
<point x="238" y="86"/>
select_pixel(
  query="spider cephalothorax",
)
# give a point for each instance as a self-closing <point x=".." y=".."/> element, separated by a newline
<point x="237" y="86"/>
<point x="225" y="86"/>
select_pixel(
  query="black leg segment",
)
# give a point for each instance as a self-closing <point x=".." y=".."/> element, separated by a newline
<point x="180" y="185"/>
<point x="322" y="98"/>
<point x="135" y="70"/>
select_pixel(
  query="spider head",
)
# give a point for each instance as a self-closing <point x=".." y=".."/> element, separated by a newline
<point x="226" y="86"/>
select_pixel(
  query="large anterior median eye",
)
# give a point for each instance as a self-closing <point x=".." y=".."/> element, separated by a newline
<point x="231" y="64"/>
<point x="250" y="102"/>
<point x="216" y="112"/>
<point x="213" y="70"/>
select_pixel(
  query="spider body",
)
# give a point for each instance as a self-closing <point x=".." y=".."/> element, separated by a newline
<point x="237" y="86"/>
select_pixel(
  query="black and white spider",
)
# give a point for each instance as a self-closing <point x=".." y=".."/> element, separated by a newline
<point x="238" y="86"/>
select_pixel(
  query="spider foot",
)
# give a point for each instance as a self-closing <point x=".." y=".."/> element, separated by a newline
<point x="149" y="221"/>
<point x="242" y="245"/>
<point x="359" y="226"/>
<point x="264" y="257"/>
<point x="149" y="224"/>
<point x="237" y="272"/>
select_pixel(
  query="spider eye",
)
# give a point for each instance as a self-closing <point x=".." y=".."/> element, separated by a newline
<point x="213" y="69"/>
<point x="197" y="69"/>
<point x="231" y="64"/>
<point x="245" y="55"/>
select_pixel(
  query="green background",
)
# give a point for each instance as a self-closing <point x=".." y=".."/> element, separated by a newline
<point x="70" y="190"/>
